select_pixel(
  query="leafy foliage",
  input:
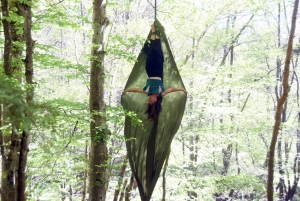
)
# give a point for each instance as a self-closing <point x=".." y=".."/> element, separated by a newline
<point x="230" y="110"/>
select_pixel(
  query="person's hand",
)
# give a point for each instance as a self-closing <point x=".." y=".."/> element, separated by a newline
<point x="124" y="92"/>
<point x="184" y="91"/>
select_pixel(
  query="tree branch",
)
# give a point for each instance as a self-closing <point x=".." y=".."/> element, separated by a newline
<point x="245" y="102"/>
<point x="235" y="39"/>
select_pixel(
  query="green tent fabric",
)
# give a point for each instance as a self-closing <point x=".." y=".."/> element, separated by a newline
<point x="148" y="145"/>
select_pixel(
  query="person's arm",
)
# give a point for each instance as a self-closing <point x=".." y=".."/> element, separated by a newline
<point x="135" y="90"/>
<point x="173" y="89"/>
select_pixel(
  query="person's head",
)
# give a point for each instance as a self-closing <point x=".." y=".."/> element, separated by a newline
<point x="152" y="99"/>
<point x="154" y="107"/>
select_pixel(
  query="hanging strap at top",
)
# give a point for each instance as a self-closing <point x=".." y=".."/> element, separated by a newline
<point x="155" y="11"/>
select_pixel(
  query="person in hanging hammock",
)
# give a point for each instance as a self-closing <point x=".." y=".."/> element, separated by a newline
<point x="154" y="68"/>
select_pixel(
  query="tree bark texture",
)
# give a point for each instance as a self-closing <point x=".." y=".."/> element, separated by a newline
<point x="280" y="187"/>
<point x="129" y="188"/>
<point x="14" y="145"/>
<point x="98" y="128"/>
<point x="120" y="179"/>
<point x="280" y="103"/>
<point x="8" y="71"/>
<point x="7" y="38"/>
<point x="28" y="61"/>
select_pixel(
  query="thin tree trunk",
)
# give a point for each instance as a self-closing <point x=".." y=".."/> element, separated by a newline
<point x="62" y="189"/>
<point x="7" y="38"/>
<point x="120" y="179"/>
<point x="71" y="192"/>
<point x="85" y="175"/>
<point x="28" y="61"/>
<point x="280" y="103"/>
<point x="164" y="175"/>
<point x="280" y="185"/>
<point x="129" y="188"/>
<point x="292" y="188"/>
<point x="196" y="46"/>
<point x="123" y="189"/>
<point x="234" y="40"/>
<point x="237" y="158"/>
<point x="227" y="153"/>
<point x="98" y="127"/>
<point x="278" y="92"/>
<point x="5" y="190"/>
<point x="191" y="124"/>
<point x="22" y="166"/>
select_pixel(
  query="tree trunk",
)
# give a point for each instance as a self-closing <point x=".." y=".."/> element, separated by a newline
<point x="5" y="180"/>
<point x="280" y="103"/>
<point x="85" y="174"/>
<point x="7" y="38"/>
<point x="98" y="128"/>
<point x="14" y="145"/>
<point x="129" y="188"/>
<point x="227" y="153"/>
<point x="164" y="176"/>
<point x="292" y="189"/>
<point x="280" y="185"/>
<point x="28" y="61"/>
<point x="120" y="179"/>
<point x="278" y="92"/>
<point x="237" y="158"/>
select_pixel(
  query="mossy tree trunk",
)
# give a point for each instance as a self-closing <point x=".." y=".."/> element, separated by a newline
<point x="14" y="140"/>
<point x="98" y="129"/>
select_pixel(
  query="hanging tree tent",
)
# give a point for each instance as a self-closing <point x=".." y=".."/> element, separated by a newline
<point x="148" y="145"/>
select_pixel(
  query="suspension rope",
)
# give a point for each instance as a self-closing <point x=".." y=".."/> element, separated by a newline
<point x="155" y="11"/>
